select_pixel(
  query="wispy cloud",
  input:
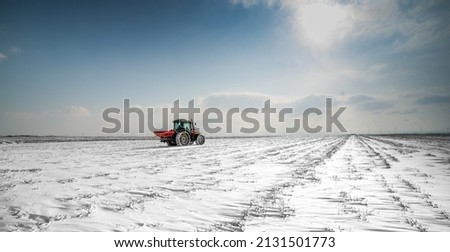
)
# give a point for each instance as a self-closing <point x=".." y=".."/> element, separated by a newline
<point x="362" y="102"/>
<point x="71" y="120"/>
<point x="369" y="103"/>
<point x="253" y="99"/>
<point x="356" y="99"/>
<point x="405" y="111"/>
<point x="434" y="99"/>
<point x="368" y="73"/>
<point x="233" y="99"/>
<point x="249" y="3"/>
<point x="77" y="111"/>
<point x="3" y="56"/>
<point x="326" y="23"/>
<point x="375" y="105"/>
<point x="15" y="49"/>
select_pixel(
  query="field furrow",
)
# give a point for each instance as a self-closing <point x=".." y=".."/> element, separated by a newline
<point x="321" y="183"/>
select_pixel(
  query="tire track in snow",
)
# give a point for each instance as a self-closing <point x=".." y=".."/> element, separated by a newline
<point x="356" y="189"/>
<point x="270" y="204"/>
<point x="419" y="209"/>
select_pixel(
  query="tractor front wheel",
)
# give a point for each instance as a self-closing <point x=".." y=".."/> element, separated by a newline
<point x="200" y="140"/>
<point x="183" y="138"/>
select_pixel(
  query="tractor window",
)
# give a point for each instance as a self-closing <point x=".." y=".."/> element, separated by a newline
<point x="176" y="125"/>
<point x="187" y="126"/>
<point x="182" y="125"/>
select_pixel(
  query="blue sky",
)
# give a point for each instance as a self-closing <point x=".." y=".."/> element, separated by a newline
<point x="63" y="62"/>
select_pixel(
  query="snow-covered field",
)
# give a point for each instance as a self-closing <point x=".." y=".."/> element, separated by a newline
<point x="339" y="183"/>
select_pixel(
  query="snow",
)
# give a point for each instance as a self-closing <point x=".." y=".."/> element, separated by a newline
<point x="319" y="183"/>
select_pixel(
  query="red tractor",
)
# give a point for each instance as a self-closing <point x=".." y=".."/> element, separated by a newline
<point x="183" y="133"/>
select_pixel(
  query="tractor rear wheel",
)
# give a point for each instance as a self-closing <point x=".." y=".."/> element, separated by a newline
<point x="183" y="138"/>
<point x="200" y="140"/>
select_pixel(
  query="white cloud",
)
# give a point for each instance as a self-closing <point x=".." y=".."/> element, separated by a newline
<point x="71" y="120"/>
<point x="370" y="73"/>
<point x="76" y="111"/>
<point x="253" y="99"/>
<point x="3" y="56"/>
<point x="320" y="24"/>
<point x="357" y="99"/>
<point x="16" y="49"/>
<point x="323" y="24"/>
<point x="233" y="99"/>
<point x="249" y="3"/>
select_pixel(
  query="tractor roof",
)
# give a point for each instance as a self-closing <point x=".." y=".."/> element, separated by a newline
<point x="181" y="120"/>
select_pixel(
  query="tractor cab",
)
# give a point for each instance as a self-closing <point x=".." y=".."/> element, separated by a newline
<point x="183" y="125"/>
